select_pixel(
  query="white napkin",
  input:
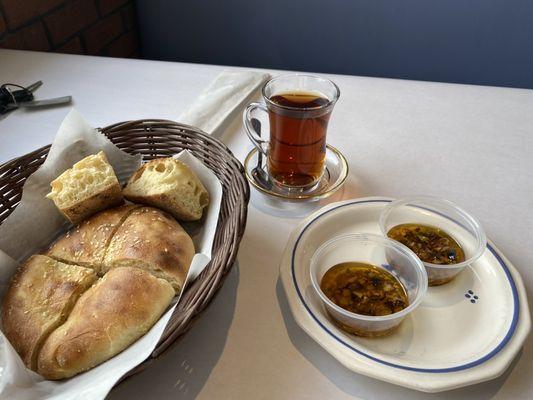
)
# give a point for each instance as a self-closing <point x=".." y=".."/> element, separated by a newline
<point x="222" y="100"/>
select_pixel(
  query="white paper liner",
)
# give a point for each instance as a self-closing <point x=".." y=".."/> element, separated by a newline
<point x="36" y="222"/>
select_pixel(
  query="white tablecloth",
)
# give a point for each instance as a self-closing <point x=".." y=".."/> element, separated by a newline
<point x="469" y="144"/>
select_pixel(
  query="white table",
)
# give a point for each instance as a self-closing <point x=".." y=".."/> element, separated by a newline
<point x="470" y="144"/>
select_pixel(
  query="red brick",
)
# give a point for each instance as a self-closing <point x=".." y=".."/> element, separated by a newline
<point x="17" y="12"/>
<point x="103" y="33"/>
<point x="32" y="37"/>
<point x="124" y="46"/>
<point x="12" y="42"/>
<point x="2" y="25"/>
<point x="130" y="17"/>
<point x="106" y="6"/>
<point x="70" y="19"/>
<point x="73" y="46"/>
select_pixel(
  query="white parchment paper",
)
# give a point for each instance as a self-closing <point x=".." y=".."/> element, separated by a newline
<point x="36" y="222"/>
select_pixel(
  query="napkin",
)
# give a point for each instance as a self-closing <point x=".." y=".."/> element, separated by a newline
<point x="222" y="100"/>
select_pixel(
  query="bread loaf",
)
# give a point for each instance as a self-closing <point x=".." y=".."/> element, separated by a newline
<point x="39" y="299"/>
<point x="58" y="316"/>
<point x="152" y="240"/>
<point x="86" y="243"/>
<point x="111" y="315"/>
<point x="88" y="187"/>
<point x="168" y="184"/>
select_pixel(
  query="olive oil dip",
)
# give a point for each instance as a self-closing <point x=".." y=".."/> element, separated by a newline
<point x="429" y="243"/>
<point x="364" y="289"/>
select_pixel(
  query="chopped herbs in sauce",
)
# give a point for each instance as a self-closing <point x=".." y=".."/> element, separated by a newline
<point x="364" y="289"/>
<point x="430" y="244"/>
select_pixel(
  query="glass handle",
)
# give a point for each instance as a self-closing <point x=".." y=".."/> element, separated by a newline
<point x="253" y="135"/>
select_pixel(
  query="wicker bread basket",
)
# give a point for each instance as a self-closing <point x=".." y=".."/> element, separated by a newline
<point x="161" y="138"/>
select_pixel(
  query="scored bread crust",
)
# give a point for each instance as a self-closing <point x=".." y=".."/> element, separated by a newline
<point x="59" y="335"/>
<point x="115" y="312"/>
<point x="85" y="244"/>
<point x="39" y="299"/>
<point x="152" y="240"/>
<point x="170" y="185"/>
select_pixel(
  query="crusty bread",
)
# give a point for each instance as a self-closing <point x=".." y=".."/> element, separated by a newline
<point x="85" y="244"/>
<point x="168" y="184"/>
<point x="111" y="315"/>
<point x="39" y="299"/>
<point x="152" y="240"/>
<point x="88" y="187"/>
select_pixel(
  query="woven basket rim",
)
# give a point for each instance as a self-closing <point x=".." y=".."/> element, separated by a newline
<point x="154" y="138"/>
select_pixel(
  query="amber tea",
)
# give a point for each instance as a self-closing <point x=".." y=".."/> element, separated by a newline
<point x="298" y="126"/>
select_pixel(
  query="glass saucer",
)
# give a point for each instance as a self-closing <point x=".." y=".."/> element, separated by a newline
<point x="334" y="176"/>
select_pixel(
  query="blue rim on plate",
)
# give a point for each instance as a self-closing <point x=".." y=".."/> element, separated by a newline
<point x="471" y="364"/>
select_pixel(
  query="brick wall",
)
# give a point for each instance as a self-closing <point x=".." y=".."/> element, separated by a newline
<point x="95" y="27"/>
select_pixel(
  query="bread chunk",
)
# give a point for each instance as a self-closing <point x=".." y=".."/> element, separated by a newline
<point x="88" y="187"/>
<point x="152" y="240"/>
<point x="110" y="316"/>
<point x="39" y="299"/>
<point x="168" y="184"/>
<point x="85" y="244"/>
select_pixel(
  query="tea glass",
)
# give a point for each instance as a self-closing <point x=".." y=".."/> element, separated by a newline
<point x="299" y="107"/>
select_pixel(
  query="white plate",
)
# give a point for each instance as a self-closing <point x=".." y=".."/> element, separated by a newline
<point x="464" y="332"/>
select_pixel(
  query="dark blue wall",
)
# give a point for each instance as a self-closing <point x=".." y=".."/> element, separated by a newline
<point x="487" y="42"/>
